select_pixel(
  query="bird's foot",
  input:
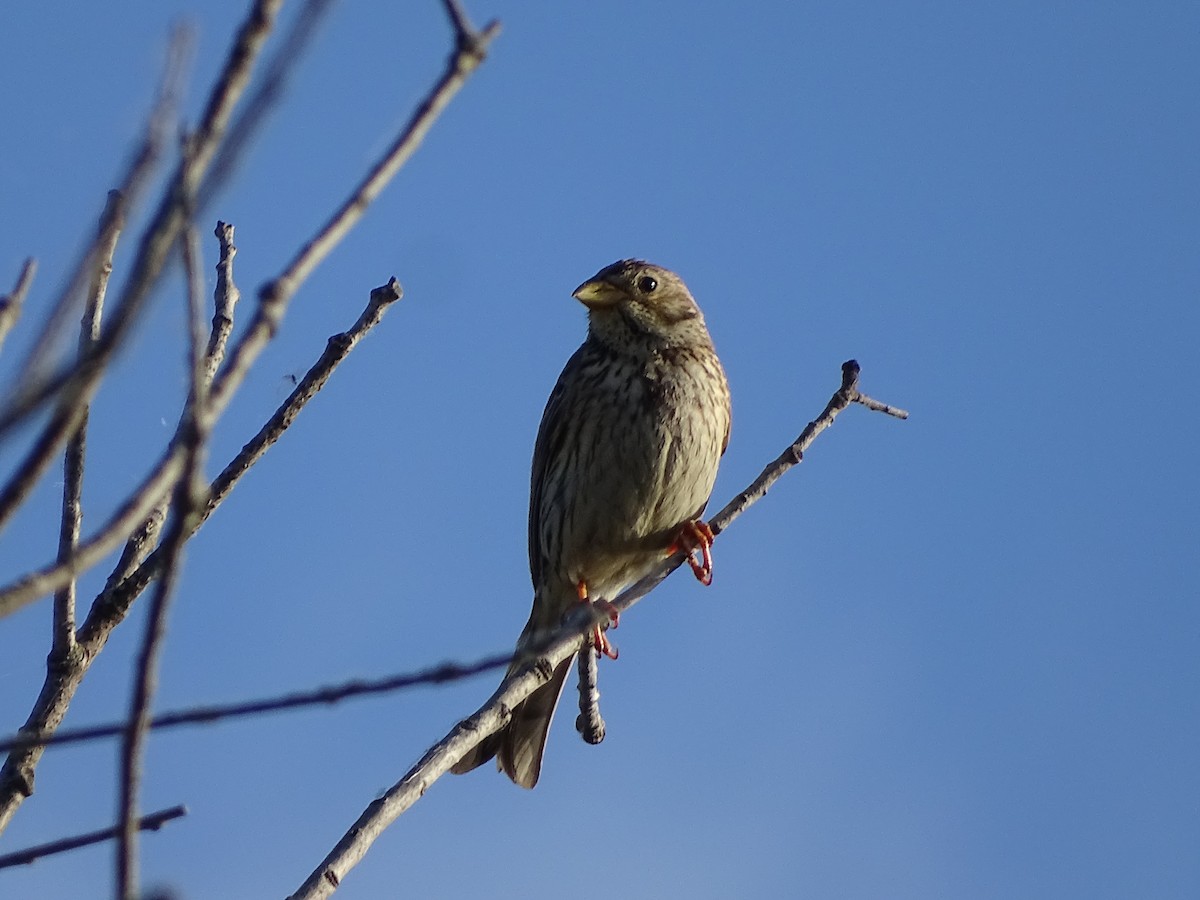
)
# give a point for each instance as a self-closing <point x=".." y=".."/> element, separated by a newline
<point x="695" y="536"/>
<point x="603" y="645"/>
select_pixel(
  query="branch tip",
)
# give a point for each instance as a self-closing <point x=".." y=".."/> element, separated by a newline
<point x="388" y="293"/>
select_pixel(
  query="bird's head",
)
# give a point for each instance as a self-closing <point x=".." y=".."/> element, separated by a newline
<point x="633" y="303"/>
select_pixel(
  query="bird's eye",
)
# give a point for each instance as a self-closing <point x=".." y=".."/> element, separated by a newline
<point x="646" y="284"/>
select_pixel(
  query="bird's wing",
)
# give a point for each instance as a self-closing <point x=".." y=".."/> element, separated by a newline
<point x="550" y="437"/>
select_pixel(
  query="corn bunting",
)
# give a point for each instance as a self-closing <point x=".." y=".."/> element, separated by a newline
<point x="624" y="463"/>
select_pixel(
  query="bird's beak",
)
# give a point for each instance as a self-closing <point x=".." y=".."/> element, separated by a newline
<point x="597" y="294"/>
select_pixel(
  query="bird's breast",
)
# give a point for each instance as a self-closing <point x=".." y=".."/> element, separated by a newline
<point x="645" y="449"/>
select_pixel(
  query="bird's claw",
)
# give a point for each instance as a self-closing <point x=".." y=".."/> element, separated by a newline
<point x="695" y="536"/>
<point x="602" y="645"/>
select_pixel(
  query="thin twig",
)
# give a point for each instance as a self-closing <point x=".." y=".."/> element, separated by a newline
<point x="197" y="342"/>
<point x="195" y="426"/>
<point x="880" y="407"/>
<point x="96" y="263"/>
<point x="152" y="822"/>
<point x="323" y="696"/>
<point x="144" y="539"/>
<point x="225" y="299"/>
<point x="561" y="644"/>
<point x="848" y="393"/>
<point x="118" y="599"/>
<point x="76" y="449"/>
<point x="10" y="304"/>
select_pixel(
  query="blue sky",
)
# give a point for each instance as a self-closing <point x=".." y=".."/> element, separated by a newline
<point x="948" y="657"/>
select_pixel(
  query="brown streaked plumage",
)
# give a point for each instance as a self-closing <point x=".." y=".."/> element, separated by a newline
<point x="624" y="463"/>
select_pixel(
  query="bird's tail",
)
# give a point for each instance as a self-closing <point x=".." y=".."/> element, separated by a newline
<point x="519" y="745"/>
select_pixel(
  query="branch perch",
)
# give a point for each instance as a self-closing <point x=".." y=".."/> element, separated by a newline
<point x="560" y="645"/>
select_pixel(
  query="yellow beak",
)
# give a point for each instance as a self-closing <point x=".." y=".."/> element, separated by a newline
<point x="598" y="294"/>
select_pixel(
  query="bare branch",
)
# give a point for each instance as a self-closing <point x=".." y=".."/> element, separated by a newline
<point x="492" y="716"/>
<point x="336" y="349"/>
<point x="74" y="385"/>
<point x="37" y="459"/>
<point x="560" y="645"/>
<point x="266" y="95"/>
<point x="110" y="608"/>
<point x="197" y="344"/>
<point x="152" y="822"/>
<point x="76" y="449"/>
<point x="109" y="232"/>
<point x="273" y="301"/>
<point x="68" y="419"/>
<point x="464" y="33"/>
<point x="195" y="427"/>
<point x="116" y="601"/>
<point x="78" y="382"/>
<point x="144" y="539"/>
<point x="881" y="407"/>
<point x="113" y="604"/>
<point x="225" y="299"/>
<point x="142" y="165"/>
<point x="148" y="264"/>
<point x="10" y="304"/>
<point x="275" y="296"/>
<point x="324" y="696"/>
<point x="119" y="527"/>
<point x="845" y="395"/>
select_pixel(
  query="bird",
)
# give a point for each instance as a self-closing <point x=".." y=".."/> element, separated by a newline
<point x="623" y="466"/>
